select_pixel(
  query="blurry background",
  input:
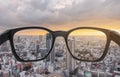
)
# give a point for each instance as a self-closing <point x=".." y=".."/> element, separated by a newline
<point x="59" y="63"/>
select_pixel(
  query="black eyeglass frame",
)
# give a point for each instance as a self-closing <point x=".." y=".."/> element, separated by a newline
<point x="9" y="34"/>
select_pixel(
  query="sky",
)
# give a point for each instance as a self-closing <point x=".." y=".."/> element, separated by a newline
<point x="60" y="14"/>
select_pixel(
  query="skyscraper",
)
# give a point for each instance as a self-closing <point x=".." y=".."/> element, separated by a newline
<point x="40" y="38"/>
<point x="51" y="57"/>
<point x="18" y="39"/>
<point x="70" y="60"/>
<point x="37" y="46"/>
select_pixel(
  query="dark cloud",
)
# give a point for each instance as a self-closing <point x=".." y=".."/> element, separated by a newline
<point x="54" y="12"/>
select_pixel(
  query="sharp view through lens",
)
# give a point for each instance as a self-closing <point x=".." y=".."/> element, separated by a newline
<point x="84" y="44"/>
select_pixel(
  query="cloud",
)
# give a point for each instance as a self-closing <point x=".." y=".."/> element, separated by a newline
<point x="15" y="13"/>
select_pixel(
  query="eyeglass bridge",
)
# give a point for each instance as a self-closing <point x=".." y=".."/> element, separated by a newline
<point x="59" y="33"/>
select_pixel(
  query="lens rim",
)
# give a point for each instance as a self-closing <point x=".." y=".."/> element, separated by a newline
<point x="54" y="34"/>
<point x="14" y="31"/>
<point x="106" y="32"/>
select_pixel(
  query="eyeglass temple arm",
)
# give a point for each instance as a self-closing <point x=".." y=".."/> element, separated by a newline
<point x="4" y="37"/>
<point x="115" y="36"/>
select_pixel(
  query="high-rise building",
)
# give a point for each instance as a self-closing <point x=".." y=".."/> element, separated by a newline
<point x="51" y="56"/>
<point x="43" y="52"/>
<point x="70" y="60"/>
<point x="37" y="46"/>
<point x="18" y="39"/>
<point x="40" y="38"/>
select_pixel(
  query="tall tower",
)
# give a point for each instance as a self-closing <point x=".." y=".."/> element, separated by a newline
<point x="70" y="60"/>
<point x="18" y="39"/>
<point x="40" y="38"/>
<point x="51" y="57"/>
<point x="37" y="46"/>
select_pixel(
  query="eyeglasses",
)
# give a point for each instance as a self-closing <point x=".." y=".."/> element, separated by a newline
<point x="31" y="44"/>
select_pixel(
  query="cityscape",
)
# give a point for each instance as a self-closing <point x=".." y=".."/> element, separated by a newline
<point x="59" y="38"/>
<point x="59" y="63"/>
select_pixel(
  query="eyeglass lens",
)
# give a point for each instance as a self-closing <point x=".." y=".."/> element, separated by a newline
<point x="87" y="44"/>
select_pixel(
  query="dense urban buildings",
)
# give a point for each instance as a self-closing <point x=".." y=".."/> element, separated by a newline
<point x="59" y="63"/>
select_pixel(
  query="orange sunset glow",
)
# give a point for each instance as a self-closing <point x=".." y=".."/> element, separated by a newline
<point x="60" y="15"/>
<point x="80" y="32"/>
<point x="86" y="32"/>
<point x="102" y="23"/>
<point x="32" y="32"/>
